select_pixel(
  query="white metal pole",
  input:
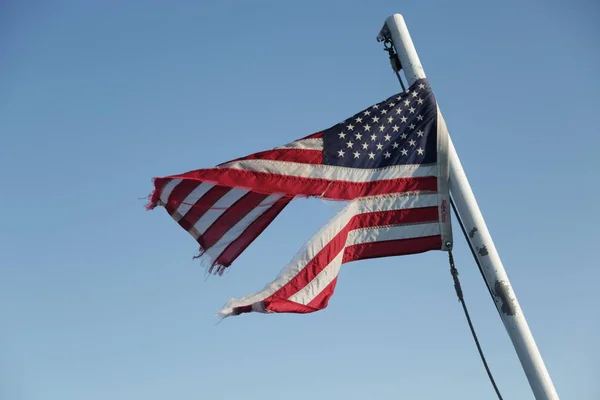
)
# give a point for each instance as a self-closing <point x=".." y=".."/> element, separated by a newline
<point x="505" y="299"/>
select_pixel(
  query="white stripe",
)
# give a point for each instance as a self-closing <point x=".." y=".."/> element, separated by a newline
<point x="306" y="144"/>
<point x="320" y="239"/>
<point x="320" y="282"/>
<point x="167" y="189"/>
<point x="393" y="202"/>
<point x="193" y="198"/>
<point x="218" y="208"/>
<point x="396" y="232"/>
<point x="335" y="173"/>
<point x="239" y="228"/>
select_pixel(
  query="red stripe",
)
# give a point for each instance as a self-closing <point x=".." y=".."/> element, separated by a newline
<point x="262" y="182"/>
<point x="179" y="194"/>
<point x="202" y="206"/>
<point x="235" y="248"/>
<point x="388" y="248"/>
<point x="281" y="305"/>
<point x="337" y="244"/>
<point x="394" y="217"/>
<point x="292" y="155"/>
<point x="317" y="135"/>
<point x="231" y="216"/>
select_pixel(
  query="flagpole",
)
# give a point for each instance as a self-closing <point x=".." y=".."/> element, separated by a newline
<point x="485" y="252"/>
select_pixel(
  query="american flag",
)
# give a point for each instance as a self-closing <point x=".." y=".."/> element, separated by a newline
<point x="389" y="160"/>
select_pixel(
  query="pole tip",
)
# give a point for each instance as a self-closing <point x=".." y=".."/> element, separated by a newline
<point x="393" y="19"/>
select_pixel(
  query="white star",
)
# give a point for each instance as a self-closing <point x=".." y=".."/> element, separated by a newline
<point x="350" y="127"/>
<point x="358" y="119"/>
<point x="403" y="136"/>
<point x="414" y="94"/>
<point x="375" y="119"/>
<point x="395" y="128"/>
<point x="399" y="98"/>
<point x="420" y="133"/>
<point x="367" y="127"/>
<point x="420" y="101"/>
<point x="421" y="86"/>
<point x="341" y="153"/>
<point x="376" y="107"/>
<point x="387" y="154"/>
<point x="404" y="152"/>
<point x="373" y="137"/>
<point x="384" y="111"/>
<point x="420" y="117"/>
<point x="403" y="119"/>
<point x="387" y="137"/>
<point x="412" y="110"/>
<point x="365" y="146"/>
<point x="342" y="135"/>
<point x="372" y="156"/>
<point x="381" y="128"/>
<point x="412" y="126"/>
<point x="412" y="142"/>
<point x="398" y="111"/>
<point x="390" y="119"/>
<point x="356" y="154"/>
<point x="420" y="151"/>
<point x="395" y="145"/>
<point x="367" y="112"/>
<point x="349" y="144"/>
<point x="379" y="146"/>
<point x="406" y="102"/>
<point x="392" y="104"/>
<point x="358" y="136"/>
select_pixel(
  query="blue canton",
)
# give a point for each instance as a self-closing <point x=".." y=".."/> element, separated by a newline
<point x="401" y="130"/>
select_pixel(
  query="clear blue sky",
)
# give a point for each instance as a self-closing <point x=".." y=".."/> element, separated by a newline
<point x="100" y="299"/>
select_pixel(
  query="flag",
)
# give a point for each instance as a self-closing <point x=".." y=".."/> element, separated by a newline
<point x="389" y="161"/>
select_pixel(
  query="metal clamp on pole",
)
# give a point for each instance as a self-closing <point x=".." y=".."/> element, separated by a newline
<point x="394" y="61"/>
<point x="388" y="46"/>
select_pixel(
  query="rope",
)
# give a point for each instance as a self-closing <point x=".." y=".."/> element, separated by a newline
<point x="459" y="293"/>
<point x="454" y="273"/>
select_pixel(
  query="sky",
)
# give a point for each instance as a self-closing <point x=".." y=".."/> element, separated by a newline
<point x="101" y="299"/>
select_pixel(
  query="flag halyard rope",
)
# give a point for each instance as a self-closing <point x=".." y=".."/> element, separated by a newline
<point x="461" y="299"/>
